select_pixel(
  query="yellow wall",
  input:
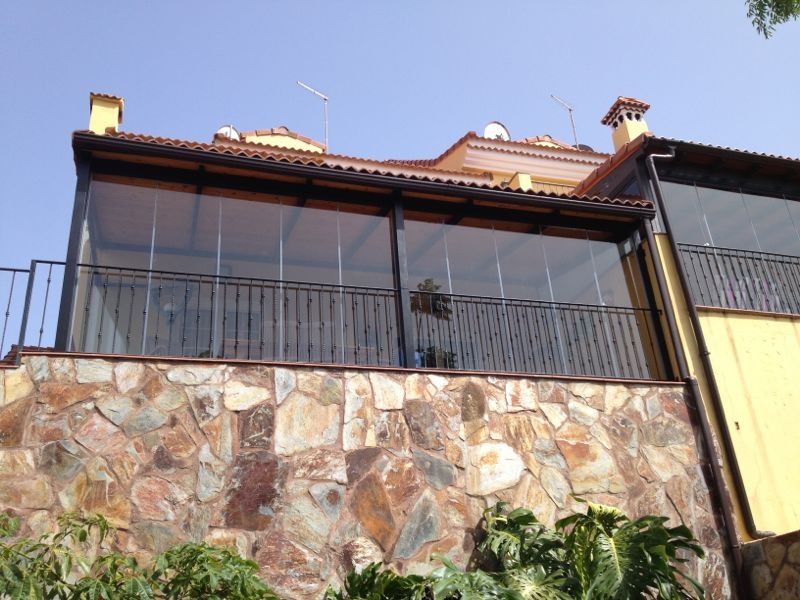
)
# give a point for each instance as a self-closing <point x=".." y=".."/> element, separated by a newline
<point x="755" y="359"/>
<point x="692" y="353"/>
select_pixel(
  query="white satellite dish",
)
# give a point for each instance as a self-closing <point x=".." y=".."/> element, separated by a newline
<point x="496" y="131"/>
<point x="229" y="132"/>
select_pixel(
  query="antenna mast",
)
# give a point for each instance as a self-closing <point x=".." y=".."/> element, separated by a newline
<point x="324" y="104"/>
<point x="569" y="109"/>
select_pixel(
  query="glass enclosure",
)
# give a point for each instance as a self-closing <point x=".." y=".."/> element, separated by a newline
<point x="738" y="250"/>
<point x="733" y="219"/>
<point x="170" y="271"/>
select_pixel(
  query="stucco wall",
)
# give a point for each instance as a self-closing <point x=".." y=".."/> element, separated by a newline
<point x="310" y="472"/>
<point x="755" y="360"/>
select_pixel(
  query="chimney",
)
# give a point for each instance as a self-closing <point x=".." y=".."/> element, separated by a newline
<point x="105" y="112"/>
<point x="626" y="119"/>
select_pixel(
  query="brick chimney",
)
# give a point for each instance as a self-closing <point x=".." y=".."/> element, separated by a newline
<point x="626" y="119"/>
<point x="105" y="112"/>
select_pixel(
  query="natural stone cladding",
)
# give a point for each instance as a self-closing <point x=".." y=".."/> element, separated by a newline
<point x="773" y="567"/>
<point x="311" y="472"/>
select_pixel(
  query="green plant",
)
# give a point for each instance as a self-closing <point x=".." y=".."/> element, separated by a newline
<point x="618" y="558"/>
<point x="203" y="571"/>
<point x="374" y="583"/>
<point x="66" y="566"/>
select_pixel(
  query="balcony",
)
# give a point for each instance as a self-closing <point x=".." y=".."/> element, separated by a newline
<point x="125" y="311"/>
<point x="742" y="279"/>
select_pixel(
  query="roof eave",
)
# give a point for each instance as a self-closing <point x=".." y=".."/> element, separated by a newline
<point x="88" y="142"/>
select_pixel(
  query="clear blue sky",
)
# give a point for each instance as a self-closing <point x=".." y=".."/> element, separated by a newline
<point x="406" y="79"/>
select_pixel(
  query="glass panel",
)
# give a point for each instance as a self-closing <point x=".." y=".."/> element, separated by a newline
<point x="250" y="237"/>
<point x="685" y="214"/>
<point x="522" y="264"/>
<point x="427" y="260"/>
<point x="366" y="250"/>
<point x="794" y="213"/>
<point x="617" y="285"/>
<point x="119" y="224"/>
<point x="570" y="265"/>
<point x="773" y="224"/>
<point x="310" y="244"/>
<point x="473" y="261"/>
<point x="727" y="219"/>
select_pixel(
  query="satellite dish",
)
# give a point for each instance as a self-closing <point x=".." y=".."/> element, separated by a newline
<point x="228" y="132"/>
<point x="496" y="131"/>
<point x="584" y="148"/>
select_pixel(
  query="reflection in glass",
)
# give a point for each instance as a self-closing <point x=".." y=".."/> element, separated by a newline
<point x="685" y="214"/>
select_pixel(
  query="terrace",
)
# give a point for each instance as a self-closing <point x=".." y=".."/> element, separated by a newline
<point x="301" y="265"/>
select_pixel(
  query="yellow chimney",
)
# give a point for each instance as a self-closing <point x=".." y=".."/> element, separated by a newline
<point x="521" y="181"/>
<point x="626" y="119"/>
<point x="105" y="112"/>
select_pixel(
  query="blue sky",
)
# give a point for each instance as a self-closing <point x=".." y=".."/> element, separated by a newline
<point x="406" y="79"/>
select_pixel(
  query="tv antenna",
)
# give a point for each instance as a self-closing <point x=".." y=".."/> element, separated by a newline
<point x="570" y="110"/>
<point x="324" y="104"/>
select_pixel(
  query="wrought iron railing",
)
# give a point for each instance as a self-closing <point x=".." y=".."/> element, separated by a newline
<point x="141" y="312"/>
<point x="12" y="287"/>
<point x="495" y="334"/>
<point x="742" y="279"/>
<point x="160" y="313"/>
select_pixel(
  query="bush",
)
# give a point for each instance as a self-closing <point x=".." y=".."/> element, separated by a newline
<point x="62" y="566"/>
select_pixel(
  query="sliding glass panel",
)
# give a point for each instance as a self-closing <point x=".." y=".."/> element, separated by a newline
<point x="794" y="213"/>
<point x="773" y="224"/>
<point x="727" y="219"/>
<point x="366" y="247"/>
<point x="522" y="264"/>
<point x="570" y="266"/>
<point x="473" y="261"/>
<point x="110" y="299"/>
<point x="685" y="214"/>
<point x="617" y="285"/>
<point x="310" y="243"/>
<point x="427" y="258"/>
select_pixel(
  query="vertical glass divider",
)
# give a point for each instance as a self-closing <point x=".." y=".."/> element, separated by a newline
<point x="552" y="304"/>
<point x="146" y="309"/>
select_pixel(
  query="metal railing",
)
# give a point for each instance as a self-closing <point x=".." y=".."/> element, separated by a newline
<point x="142" y="312"/>
<point x="495" y="334"/>
<point x="161" y="313"/>
<point x="742" y="279"/>
<point x="13" y="283"/>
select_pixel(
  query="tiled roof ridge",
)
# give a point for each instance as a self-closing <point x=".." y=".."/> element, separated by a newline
<point x="378" y="168"/>
<point x="264" y="151"/>
<point x="471" y="135"/>
<point x="103" y="95"/>
<point x="282" y="130"/>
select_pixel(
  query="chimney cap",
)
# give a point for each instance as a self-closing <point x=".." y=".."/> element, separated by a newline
<point x="119" y="101"/>
<point x="622" y="103"/>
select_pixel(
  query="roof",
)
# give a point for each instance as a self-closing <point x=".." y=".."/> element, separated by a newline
<point x="620" y="103"/>
<point x="625" y="152"/>
<point x="336" y="162"/>
<point x="282" y="130"/>
<point x="514" y="147"/>
<point x="701" y="145"/>
<point x="547" y="139"/>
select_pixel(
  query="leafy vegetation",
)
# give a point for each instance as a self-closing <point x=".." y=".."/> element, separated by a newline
<point x="597" y="555"/>
<point x="67" y="566"/>
<point x="767" y="14"/>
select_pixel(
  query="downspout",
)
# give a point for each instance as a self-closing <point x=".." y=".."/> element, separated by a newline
<point x="705" y="354"/>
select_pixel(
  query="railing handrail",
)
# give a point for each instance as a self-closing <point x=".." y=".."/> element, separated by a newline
<point x="14" y="270"/>
<point x="234" y="277"/>
<point x="546" y="303"/>
<point x="725" y="249"/>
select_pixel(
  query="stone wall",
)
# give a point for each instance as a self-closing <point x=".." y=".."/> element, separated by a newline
<point x="312" y="471"/>
<point x="773" y="567"/>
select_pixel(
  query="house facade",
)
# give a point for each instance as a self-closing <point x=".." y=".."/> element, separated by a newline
<point x="327" y="360"/>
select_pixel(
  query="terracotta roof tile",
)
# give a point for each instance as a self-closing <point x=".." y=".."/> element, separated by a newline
<point x="283" y="130"/>
<point x="361" y="165"/>
<point x="510" y="147"/>
<point x="623" y="102"/>
<point x="604" y="169"/>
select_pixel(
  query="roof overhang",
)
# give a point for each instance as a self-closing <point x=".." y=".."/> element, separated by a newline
<point x="87" y="142"/>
